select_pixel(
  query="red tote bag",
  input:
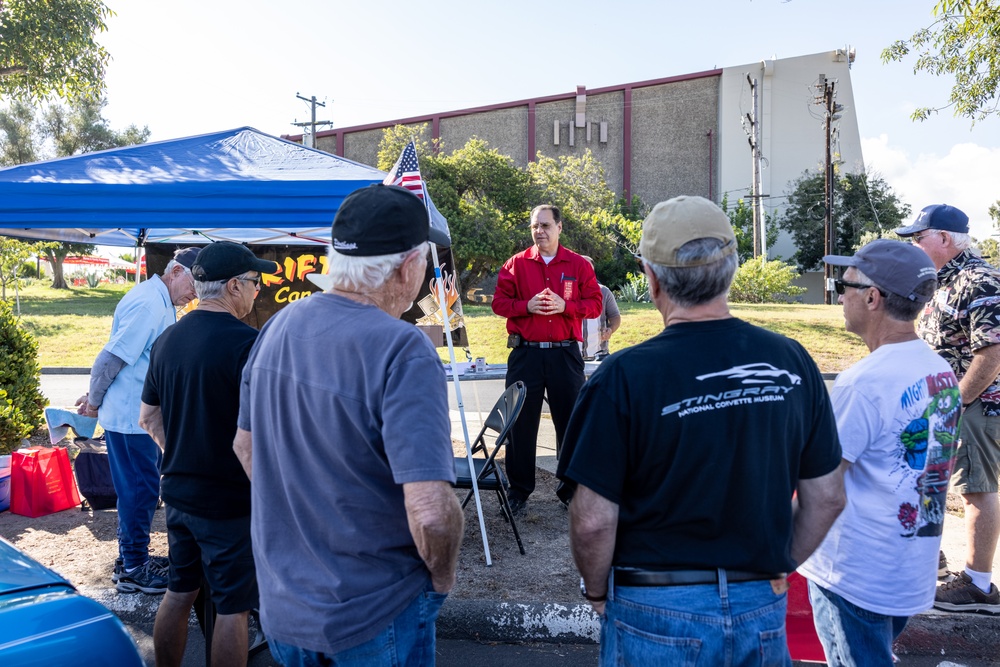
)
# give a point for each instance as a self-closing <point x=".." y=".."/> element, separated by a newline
<point x="41" y="482"/>
<point x="803" y="644"/>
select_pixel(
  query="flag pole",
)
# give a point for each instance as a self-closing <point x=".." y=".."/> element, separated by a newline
<point x="458" y="399"/>
<point x="442" y="303"/>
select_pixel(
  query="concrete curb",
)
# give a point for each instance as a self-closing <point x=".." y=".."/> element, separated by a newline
<point x="932" y="633"/>
<point x="510" y="621"/>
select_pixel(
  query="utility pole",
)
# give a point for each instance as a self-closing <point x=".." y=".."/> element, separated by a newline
<point x="313" y="122"/>
<point x="830" y="108"/>
<point x="756" y="198"/>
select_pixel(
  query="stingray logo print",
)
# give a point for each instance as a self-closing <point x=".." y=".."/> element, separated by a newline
<point x="760" y="373"/>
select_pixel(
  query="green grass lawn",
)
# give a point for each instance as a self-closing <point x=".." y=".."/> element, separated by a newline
<point x="819" y="328"/>
<point x="72" y="326"/>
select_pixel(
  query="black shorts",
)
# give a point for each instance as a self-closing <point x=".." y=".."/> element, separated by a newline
<point x="218" y="550"/>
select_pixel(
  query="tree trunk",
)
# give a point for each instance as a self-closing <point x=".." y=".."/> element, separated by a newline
<point x="58" y="280"/>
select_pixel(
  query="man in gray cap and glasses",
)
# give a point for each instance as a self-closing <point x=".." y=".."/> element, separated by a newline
<point x="962" y="324"/>
<point x="686" y="450"/>
<point x="897" y="415"/>
<point x="344" y="432"/>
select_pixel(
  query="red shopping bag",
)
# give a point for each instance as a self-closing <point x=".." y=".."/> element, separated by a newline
<point x="803" y="643"/>
<point x="41" y="482"/>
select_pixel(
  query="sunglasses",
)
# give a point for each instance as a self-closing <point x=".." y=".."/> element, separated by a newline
<point x="920" y="237"/>
<point x="839" y="286"/>
<point x="255" y="281"/>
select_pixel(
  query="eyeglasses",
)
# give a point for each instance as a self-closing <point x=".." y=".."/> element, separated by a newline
<point x="920" y="237"/>
<point x="839" y="286"/>
<point x="255" y="281"/>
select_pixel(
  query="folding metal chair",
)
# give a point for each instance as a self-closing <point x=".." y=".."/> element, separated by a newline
<point x="489" y="476"/>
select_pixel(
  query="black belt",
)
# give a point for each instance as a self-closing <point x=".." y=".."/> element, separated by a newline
<point x="633" y="577"/>
<point x="546" y="346"/>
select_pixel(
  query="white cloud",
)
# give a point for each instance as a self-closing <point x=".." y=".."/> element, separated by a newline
<point x="966" y="177"/>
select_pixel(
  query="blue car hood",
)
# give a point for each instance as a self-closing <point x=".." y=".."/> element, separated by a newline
<point x="20" y="573"/>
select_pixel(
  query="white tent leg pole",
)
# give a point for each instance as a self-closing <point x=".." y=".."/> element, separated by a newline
<point x="458" y="398"/>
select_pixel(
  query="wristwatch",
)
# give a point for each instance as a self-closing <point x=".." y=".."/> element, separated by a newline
<point x="589" y="597"/>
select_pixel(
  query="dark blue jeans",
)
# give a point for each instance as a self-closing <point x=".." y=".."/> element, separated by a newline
<point x="135" y="469"/>
<point x="408" y="641"/>
<point x="713" y="625"/>
<point x="852" y="636"/>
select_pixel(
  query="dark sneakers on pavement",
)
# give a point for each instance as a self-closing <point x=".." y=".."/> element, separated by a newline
<point x="150" y="579"/>
<point x="160" y="562"/>
<point x="963" y="595"/>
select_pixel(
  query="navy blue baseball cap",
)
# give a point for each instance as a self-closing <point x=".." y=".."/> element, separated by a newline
<point x="937" y="216"/>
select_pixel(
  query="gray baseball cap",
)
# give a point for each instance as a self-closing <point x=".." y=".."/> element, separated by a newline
<point x="894" y="266"/>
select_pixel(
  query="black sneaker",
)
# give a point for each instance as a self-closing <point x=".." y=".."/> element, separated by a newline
<point x="963" y="595"/>
<point x="161" y="563"/>
<point x="146" y="579"/>
<point x="516" y="505"/>
<point x="116" y="573"/>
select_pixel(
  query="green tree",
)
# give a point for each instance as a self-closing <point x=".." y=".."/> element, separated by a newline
<point x="486" y="198"/>
<point x="994" y="211"/>
<point x="394" y="140"/>
<point x="81" y="128"/>
<point x="13" y="253"/>
<point x="963" y="41"/>
<point x="19" y="140"/>
<point x="49" y="48"/>
<point x="861" y="203"/>
<point x="990" y="250"/>
<point x="61" y="131"/>
<point x="741" y="218"/>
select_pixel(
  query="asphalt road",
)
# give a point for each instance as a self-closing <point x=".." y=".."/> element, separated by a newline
<point x="462" y="653"/>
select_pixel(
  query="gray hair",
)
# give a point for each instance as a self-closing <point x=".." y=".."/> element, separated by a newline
<point x="694" y="285"/>
<point x="365" y="274"/>
<point x="899" y="307"/>
<point x="960" y="241"/>
<point x="212" y="289"/>
<point x="171" y="264"/>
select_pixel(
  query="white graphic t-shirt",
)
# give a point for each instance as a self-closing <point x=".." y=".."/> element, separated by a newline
<point x="898" y="416"/>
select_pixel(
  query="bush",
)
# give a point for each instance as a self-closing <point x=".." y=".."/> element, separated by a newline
<point x="21" y="400"/>
<point x="760" y="281"/>
<point x="635" y="289"/>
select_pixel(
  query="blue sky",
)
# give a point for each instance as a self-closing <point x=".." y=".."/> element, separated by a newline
<point x="186" y="67"/>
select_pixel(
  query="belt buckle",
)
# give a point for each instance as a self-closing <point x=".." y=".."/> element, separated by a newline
<point x="545" y="346"/>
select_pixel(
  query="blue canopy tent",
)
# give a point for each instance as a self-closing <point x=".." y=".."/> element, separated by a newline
<point x="240" y="185"/>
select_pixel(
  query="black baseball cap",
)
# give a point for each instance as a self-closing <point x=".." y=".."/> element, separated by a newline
<point x="223" y="260"/>
<point x="382" y="220"/>
<point x="894" y="266"/>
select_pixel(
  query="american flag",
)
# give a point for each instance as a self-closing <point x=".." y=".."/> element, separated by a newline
<point x="406" y="173"/>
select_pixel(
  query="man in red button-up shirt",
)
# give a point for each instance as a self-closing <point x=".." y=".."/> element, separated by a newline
<point x="545" y="293"/>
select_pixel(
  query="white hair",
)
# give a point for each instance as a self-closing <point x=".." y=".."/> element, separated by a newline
<point x="365" y="274"/>
<point x="171" y="264"/>
<point x="212" y="289"/>
<point x="960" y="241"/>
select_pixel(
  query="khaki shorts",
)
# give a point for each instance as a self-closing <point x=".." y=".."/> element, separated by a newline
<point x="977" y="463"/>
